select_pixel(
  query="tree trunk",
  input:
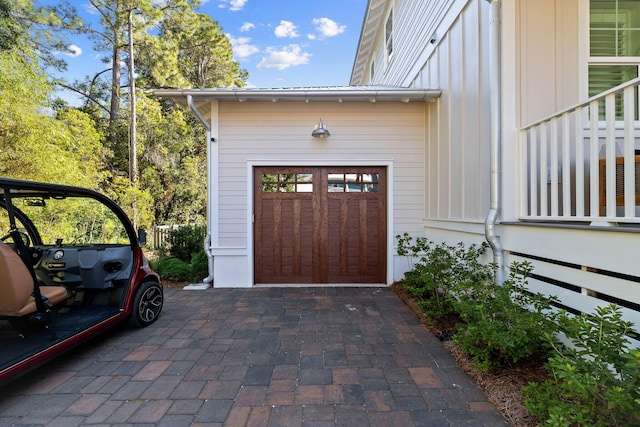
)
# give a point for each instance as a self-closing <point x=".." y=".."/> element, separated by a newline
<point x="114" y="111"/>
<point x="133" y="160"/>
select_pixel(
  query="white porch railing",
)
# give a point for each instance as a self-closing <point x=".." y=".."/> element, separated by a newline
<point x="583" y="163"/>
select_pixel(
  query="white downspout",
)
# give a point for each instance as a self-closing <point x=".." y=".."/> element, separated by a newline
<point x="210" y="139"/>
<point x="495" y="63"/>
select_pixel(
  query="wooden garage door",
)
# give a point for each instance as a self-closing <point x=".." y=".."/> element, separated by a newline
<point x="320" y="225"/>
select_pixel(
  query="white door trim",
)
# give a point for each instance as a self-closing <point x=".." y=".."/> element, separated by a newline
<point x="251" y="164"/>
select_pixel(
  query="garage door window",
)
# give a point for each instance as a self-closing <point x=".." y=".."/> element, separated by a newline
<point x="353" y="182"/>
<point x="287" y="183"/>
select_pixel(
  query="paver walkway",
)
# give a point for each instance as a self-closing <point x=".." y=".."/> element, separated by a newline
<point x="258" y="357"/>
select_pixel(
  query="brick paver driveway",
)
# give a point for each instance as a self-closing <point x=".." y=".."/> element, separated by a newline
<point x="258" y="357"/>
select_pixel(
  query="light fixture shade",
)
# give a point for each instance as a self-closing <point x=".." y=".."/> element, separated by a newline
<point x="320" y="131"/>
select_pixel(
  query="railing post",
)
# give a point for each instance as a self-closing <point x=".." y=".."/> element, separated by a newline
<point x="578" y="125"/>
<point x="566" y="164"/>
<point x="629" y="154"/>
<point x="610" y="149"/>
<point x="543" y="171"/>
<point x="554" y="167"/>
<point x="533" y="171"/>
<point x="558" y="178"/>
<point x="594" y="184"/>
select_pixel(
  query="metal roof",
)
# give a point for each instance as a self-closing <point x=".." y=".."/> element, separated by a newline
<point x="320" y="93"/>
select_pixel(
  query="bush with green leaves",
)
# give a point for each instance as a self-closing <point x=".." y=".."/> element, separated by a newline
<point x="595" y="380"/>
<point x="173" y="269"/>
<point x="502" y="323"/>
<point x="437" y="269"/>
<point x="499" y="323"/>
<point x="200" y="265"/>
<point x="186" y="241"/>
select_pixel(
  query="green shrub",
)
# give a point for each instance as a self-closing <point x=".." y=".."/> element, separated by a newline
<point x="502" y="324"/>
<point x="173" y="269"/>
<point x="200" y="265"/>
<point x="596" y="380"/>
<point x="186" y="241"/>
<point x="437" y="269"/>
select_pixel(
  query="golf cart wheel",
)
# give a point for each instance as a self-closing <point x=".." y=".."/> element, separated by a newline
<point x="147" y="304"/>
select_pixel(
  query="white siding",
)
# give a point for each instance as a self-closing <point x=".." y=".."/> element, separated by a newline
<point x="543" y="71"/>
<point x="457" y="151"/>
<point x="548" y="34"/>
<point x="360" y="132"/>
<point x="415" y="22"/>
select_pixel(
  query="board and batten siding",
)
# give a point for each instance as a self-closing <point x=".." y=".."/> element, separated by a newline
<point x="259" y="132"/>
<point x="458" y="124"/>
<point x="551" y="73"/>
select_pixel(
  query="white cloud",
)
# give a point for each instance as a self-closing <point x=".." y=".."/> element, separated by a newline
<point x="286" y="29"/>
<point x="241" y="46"/>
<point x="246" y="26"/>
<point x="284" y="58"/>
<point x="72" y="51"/>
<point x="233" y="5"/>
<point x="328" y="27"/>
<point x="237" y="4"/>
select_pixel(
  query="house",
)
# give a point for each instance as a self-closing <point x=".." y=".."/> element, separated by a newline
<point x="514" y="121"/>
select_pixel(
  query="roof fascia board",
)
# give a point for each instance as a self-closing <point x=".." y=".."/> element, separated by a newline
<point x="339" y="95"/>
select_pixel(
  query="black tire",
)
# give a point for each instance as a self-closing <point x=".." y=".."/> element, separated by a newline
<point x="147" y="304"/>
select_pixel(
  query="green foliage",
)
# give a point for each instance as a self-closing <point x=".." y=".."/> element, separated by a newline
<point x="437" y="269"/>
<point x="64" y="149"/>
<point x="178" y="270"/>
<point x="10" y="30"/>
<point x="39" y="29"/>
<point x="200" y="265"/>
<point x="46" y="140"/>
<point x="186" y="241"/>
<point x="502" y="324"/>
<point x="594" y="381"/>
<point x="172" y="162"/>
<point x="191" y="51"/>
<point x="135" y="201"/>
<point x="173" y="269"/>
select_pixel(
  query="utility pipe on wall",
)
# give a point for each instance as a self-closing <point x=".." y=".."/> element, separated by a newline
<point x="207" y="241"/>
<point x="495" y="63"/>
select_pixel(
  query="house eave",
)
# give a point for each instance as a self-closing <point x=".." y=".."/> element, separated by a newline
<point x="198" y="100"/>
<point x="370" y="26"/>
<point x="338" y="94"/>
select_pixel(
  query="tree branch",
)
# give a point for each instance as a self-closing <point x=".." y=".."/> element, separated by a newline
<point x="86" y="95"/>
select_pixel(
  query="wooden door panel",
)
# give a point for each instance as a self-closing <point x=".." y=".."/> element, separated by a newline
<point x="334" y="233"/>
<point x="284" y="253"/>
<point x="354" y="236"/>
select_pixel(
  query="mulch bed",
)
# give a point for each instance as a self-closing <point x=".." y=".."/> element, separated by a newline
<point x="502" y="385"/>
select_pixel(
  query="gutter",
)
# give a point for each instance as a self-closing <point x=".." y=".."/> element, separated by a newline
<point x="207" y="241"/>
<point x="339" y="94"/>
<point x="495" y="31"/>
<point x="192" y="107"/>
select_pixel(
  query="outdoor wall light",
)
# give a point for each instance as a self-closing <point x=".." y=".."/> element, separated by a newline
<point x="320" y="131"/>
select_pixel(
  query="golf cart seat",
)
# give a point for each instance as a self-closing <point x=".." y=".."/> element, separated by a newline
<point x="16" y="286"/>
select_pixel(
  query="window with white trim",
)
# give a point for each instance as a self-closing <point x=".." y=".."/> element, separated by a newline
<point x="614" y="45"/>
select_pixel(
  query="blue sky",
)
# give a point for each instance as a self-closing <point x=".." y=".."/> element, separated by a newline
<point x="281" y="43"/>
